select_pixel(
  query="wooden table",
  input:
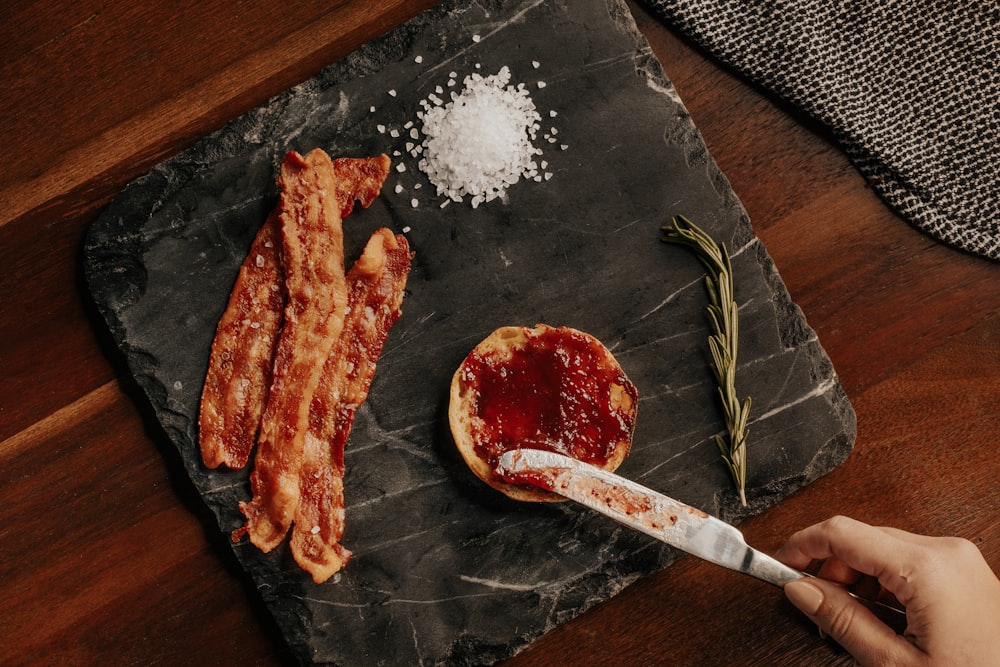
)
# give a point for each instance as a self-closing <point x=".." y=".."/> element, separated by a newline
<point x="106" y="553"/>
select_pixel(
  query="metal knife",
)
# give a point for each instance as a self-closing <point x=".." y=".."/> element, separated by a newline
<point x="671" y="521"/>
<point x="682" y="526"/>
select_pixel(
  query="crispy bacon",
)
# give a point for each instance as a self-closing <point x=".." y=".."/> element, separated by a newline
<point x="376" y="283"/>
<point x="313" y="260"/>
<point x="300" y="373"/>
<point x="239" y="372"/>
<point x="359" y="179"/>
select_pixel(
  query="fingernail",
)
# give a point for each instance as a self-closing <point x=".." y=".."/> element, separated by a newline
<point x="804" y="595"/>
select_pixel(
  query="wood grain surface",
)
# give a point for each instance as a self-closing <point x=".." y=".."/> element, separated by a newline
<point x="106" y="553"/>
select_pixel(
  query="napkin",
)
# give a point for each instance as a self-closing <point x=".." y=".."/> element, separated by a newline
<point x="909" y="88"/>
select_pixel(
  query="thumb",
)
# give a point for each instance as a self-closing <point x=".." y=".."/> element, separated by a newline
<point x="848" y="622"/>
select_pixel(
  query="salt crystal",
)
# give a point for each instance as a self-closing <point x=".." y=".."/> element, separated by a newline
<point x="414" y="203"/>
<point x="418" y="59"/>
<point x="479" y="143"/>
<point x="535" y="64"/>
<point x="392" y="92"/>
<point x="393" y="133"/>
<point x="476" y="38"/>
<point x="315" y="530"/>
<point x="552" y="113"/>
<point x="371" y="109"/>
<point x="406" y="230"/>
<point x="401" y="167"/>
<point x="380" y="128"/>
<point x="541" y="84"/>
<point x="399" y="188"/>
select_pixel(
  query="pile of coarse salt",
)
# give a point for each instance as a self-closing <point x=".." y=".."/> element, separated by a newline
<point x="479" y="143"/>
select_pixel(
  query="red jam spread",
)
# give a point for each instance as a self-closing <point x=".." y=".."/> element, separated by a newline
<point x="555" y="393"/>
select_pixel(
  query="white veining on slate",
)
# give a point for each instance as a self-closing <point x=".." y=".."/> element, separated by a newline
<point x="409" y="536"/>
<point x="503" y="585"/>
<point x="752" y="243"/>
<point x="678" y="454"/>
<point x="818" y="390"/>
<point x="673" y="295"/>
<point x="495" y="29"/>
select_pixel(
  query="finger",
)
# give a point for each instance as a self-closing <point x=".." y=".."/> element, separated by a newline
<point x="834" y="569"/>
<point x="850" y="623"/>
<point x="884" y="553"/>
<point x="808" y="545"/>
<point x="858" y="545"/>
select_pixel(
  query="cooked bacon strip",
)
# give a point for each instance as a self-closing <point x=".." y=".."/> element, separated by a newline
<point x="359" y="179"/>
<point x="313" y="259"/>
<point x="239" y="372"/>
<point x="376" y="283"/>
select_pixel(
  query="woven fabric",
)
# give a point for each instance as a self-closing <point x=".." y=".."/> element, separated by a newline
<point x="910" y="88"/>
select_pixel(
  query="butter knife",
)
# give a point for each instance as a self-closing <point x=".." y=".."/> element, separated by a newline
<point x="681" y="526"/>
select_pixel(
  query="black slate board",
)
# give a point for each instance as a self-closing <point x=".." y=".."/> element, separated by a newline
<point x="446" y="570"/>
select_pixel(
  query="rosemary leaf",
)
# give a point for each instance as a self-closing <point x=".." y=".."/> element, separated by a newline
<point x="723" y="312"/>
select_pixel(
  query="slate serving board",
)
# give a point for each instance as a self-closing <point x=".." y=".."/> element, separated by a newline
<point x="446" y="570"/>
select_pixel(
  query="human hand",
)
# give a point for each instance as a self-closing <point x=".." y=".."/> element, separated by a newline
<point x="951" y="595"/>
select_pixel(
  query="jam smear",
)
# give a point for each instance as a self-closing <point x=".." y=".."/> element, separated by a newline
<point x="555" y="393"/>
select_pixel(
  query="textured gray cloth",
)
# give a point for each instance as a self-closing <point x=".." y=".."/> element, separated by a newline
<point x="910" y="88"/>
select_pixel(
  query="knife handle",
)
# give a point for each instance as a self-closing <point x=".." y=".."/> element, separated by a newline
<point x="770" y="569"/>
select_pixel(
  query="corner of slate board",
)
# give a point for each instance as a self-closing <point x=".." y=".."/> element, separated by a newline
<point x="446" y="570"/>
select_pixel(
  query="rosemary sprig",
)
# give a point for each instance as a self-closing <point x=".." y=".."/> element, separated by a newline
<point x="724" y="313"/>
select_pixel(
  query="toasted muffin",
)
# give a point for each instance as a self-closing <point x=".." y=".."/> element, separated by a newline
<point x="552" y="388"/>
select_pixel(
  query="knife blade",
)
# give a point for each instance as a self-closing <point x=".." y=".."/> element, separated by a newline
<point x="679" y="525"/>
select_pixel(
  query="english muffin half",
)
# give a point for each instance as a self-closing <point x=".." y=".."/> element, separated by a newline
<point x="552" y="388"/>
